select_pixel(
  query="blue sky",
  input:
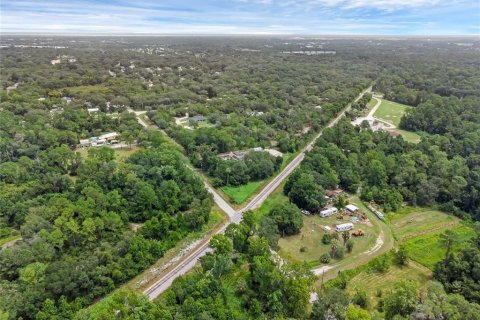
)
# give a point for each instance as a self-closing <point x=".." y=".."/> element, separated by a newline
<point x="396" y="17"/>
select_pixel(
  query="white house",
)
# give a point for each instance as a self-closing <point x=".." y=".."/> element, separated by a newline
<point x="352" y="208"/>
<point x="328" y="212"/>
<point x="344" y="227"/>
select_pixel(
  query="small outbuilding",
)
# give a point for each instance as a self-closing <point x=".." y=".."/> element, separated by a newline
<point x="333" y="193"/>
<point x="85" y="142"/>
<point x="197" y="118"/>
<point x="352" y="208"/>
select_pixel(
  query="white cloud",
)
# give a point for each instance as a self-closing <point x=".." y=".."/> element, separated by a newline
<point x="374" y="4"/>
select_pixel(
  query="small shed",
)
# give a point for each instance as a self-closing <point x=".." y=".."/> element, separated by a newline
<point x="352" y="208"/>
<point x="333" y="193"/>
<point x="198" y="118"/>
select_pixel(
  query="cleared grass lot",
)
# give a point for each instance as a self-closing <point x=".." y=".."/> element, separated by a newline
<point x="409" y="136"/>
<point x="310" y="238"/>
<point x="120" y="153"/>
<point x="391" y="111"/>
<point x="241" y="193"/>
<point x="419" y="230"/>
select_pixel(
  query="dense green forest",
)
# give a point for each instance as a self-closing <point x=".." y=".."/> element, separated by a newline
<point x="389" y="170"/>
<point x="86" y="220"/>
<point x="77" y="241"/>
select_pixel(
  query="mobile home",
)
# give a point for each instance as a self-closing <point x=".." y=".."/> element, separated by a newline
<point x="344" y="227"/>
<point x="328" y="212"/>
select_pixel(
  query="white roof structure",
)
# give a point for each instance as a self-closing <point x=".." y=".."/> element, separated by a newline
<point x="107" y="136"/>
<point x="351" y="207"/>
<point x="84" y="141"/>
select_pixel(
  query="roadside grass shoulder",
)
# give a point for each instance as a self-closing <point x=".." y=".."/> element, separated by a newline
<point x="276" y="197"/>
<point x="163" y="265"/>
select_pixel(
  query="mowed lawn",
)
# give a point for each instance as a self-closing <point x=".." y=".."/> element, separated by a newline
<point x="391" y="111"/>
<point x="419" y="231"/>
<point x="120" y="153"/>
<point x="240" y="194"/>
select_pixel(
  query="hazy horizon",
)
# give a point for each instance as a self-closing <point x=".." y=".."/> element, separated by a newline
<point x="243" y="17"/>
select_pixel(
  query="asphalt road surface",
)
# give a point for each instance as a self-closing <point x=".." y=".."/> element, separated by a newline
<point x="192" y="258"/>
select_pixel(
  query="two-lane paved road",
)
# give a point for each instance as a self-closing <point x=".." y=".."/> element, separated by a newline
<point x="191" y="259"/>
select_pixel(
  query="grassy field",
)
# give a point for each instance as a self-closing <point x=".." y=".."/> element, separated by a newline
<point x="241" y="193"/>
<point x="310" y="239"/>
<point x="419" y="229"/>
<point x="427" y="250"/>
<point x="409" y="136"/>
<point x="375" y="282"/>
<point x="119" y="153"/>
<point x="391" y="111"/>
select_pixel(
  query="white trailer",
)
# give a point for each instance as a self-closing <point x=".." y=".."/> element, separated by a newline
<point x="344" y="227"/>
<point x="328" y="212"/>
